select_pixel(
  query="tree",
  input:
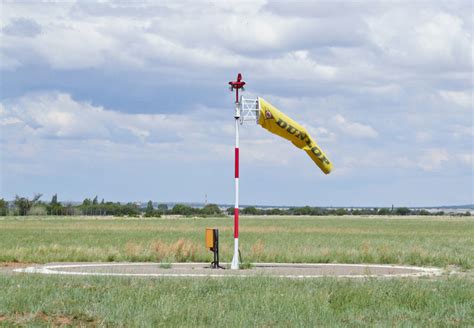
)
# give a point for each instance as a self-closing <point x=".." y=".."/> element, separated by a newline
<point x="341" y="211"/>
<point x="149" y="212"/>
<point x="95" y="201"/>
<point x="129" y="209"/>
<point x="317" y="211"/>
<point x="306" y="210"/>
<point x="182" y="209"/>
<point x="54" y="207"/>
<point x="402" y="211"/>
<point x="86" y="202"/>
<point x="162" y="208"/>
<point x="211" y="209"/>
<point x="250" y="211"/>
<point x="24" y="205"/>
<point x="54" y="200"/>
<point x="384" y="211"/>
<point x="274" y="211"/>
<point x="3" y="207"/>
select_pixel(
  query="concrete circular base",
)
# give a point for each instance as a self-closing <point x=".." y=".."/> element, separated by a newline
<point x="283" y="270"/>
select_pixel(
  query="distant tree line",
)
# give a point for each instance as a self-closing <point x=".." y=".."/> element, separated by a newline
<point x="92" y="207"/>
<point x="22" y="206"/>
<point x="318" y="211"/>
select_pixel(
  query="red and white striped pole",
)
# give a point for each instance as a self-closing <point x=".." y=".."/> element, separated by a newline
<point x="235" y="259"/>
<point x="236" y="85"/>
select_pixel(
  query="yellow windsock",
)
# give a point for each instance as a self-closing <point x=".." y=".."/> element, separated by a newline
<point x="278" y="123"/>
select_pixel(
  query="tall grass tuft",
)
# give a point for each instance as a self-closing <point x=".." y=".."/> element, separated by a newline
<point x="134" y="251"/>
<point x="183" y="250"/>
<point x="258" y="249"/>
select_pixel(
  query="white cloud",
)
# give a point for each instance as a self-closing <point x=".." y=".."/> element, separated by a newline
<point x="433" y="159"/>
<point x="423" y="37"/>
<point x="442" y="37"/>
<point x="8" y="63"/>
<point x="57" y="115"/>
<point x="22" y="27"/>
<point x="423" y="136"/>
<point x="324" y="135"/>
<point x="467" y="158"/>
<point x="296" y="65"/>
<point x="462" y="131"/>
<point x="75" y="46"/>
<point x="459" y="98"/>
<point x="362" y="46"/>
<point x="354" y="129"/>
<point x="55" y="118"/>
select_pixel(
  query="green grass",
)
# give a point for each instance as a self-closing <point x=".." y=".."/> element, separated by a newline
<point x="424" y="241"/>
<point x="264" y="302"/>
<point x="165" y="265"/>
<point x="37" y="300"/>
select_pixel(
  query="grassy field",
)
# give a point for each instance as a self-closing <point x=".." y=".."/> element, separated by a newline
<point x="425" y="241"/>
<point x="38" y="300"/>
<point x="263" y="302"/>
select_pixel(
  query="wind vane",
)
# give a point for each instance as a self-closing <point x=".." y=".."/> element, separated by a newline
<point x="236" y="85"/>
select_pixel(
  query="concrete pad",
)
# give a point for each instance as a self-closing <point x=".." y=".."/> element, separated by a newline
<point x="283" y="270"/>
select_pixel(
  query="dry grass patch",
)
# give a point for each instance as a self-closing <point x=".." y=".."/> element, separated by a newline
<point x="311" y="230"/>
<point x="14" y="264"/>
<point x="133" y="250"/>
<point x="258" y="248"/>
<point x="183" y="250"/>
<point x="44" y="319"/>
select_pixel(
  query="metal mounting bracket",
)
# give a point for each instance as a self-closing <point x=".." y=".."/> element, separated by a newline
<point x="249" y="110"/>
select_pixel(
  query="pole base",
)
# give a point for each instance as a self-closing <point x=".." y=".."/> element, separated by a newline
<point x="235" y="265"/>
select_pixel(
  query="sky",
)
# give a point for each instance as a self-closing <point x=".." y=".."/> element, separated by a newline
<point x="129" y="100"/>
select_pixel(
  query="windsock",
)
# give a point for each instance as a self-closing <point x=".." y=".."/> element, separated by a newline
<point x="278" y="123"/>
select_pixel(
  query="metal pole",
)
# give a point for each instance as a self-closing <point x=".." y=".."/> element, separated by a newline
<point x="235" y="259"/>
<point x="236" y="85"/>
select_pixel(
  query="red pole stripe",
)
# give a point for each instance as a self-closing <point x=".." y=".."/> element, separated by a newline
<point x="236" y="223"/>
<point x="236" y="162"/>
